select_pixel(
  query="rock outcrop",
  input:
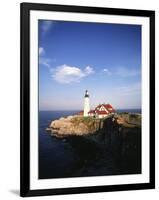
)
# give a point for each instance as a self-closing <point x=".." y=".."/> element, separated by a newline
<point x="73" y="125"/>
<point x="80" y="126"/>
<point x="118" y="135"/>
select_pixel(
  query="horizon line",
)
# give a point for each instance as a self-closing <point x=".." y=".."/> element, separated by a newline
<point x="82" y="109"/>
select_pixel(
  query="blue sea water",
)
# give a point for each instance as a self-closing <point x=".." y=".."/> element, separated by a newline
<point x="129" y="110"/>
<point x="58" y="158"/>
<point x="55" y="156"/>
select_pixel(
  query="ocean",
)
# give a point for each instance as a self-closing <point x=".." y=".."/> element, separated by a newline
<point x="59" y="158"/>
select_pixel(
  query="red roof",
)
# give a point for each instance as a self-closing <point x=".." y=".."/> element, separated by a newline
<point x="91" y="111"/>
<point x="102" y="112"/>
<point x="108" y="107"/>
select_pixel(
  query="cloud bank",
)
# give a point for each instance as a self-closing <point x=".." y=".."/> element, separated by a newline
<point x="47" y="25"/>
<point x="68" y="74"/>
<point x="41" y="51"/>
<point x="122" y="72"/>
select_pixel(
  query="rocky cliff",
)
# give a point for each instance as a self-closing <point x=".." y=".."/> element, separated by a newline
<point x="74" y="125"/>
<point x="79" y="126"/>
<point x="118" y="135"/>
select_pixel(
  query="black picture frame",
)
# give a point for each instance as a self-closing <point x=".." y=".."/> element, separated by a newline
<point x="25" y="9"/>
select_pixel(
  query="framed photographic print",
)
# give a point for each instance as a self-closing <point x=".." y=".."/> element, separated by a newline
<point x="87" y="99"/>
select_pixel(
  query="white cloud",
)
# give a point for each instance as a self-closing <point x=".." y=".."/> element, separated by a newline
<point x="69" y="74"/>
<point x="122" y="72"/>
<point x="88" y="70"/>
<point x="45" y="62"/>
<point x="107" y="71"/>
<point x="46" y="25"/>
<point x="42" y="60"/>
<point x="41" y="51"/>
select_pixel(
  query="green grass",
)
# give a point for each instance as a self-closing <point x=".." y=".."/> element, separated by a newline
<point x="90" y="122"/>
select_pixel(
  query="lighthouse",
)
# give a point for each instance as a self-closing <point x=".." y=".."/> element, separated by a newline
<point x="86" y="104"/>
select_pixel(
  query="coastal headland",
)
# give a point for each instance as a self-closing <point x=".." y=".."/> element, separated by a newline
<point x="118" y="135"/>
<point x="77" y="125"/>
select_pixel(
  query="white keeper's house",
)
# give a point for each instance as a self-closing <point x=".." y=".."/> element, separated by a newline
<point x="101" y="111"/>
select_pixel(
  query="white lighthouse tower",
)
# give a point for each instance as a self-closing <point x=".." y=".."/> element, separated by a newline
<point x="86" y="104"/>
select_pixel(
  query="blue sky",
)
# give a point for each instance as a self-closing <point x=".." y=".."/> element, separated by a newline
<point x="105" y="59"/>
